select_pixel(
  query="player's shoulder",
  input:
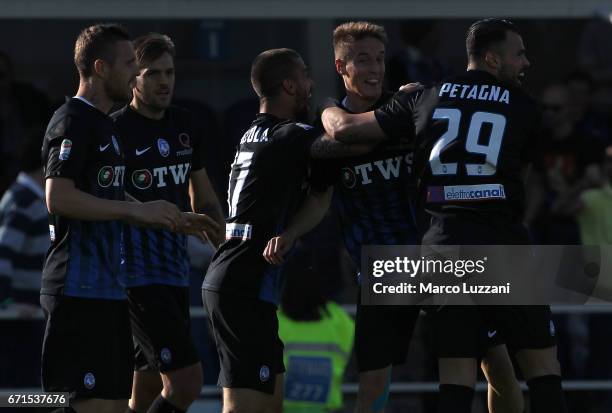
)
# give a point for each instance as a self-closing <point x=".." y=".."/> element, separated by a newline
<point x="120" y="114"/>
<point x="73" y="116"/>
<point x="287" y="128"/>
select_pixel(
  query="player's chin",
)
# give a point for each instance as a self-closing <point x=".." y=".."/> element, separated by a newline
<point x="371" y="92"/>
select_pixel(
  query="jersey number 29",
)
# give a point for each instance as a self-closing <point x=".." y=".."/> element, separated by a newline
<point x="491" y="150"/>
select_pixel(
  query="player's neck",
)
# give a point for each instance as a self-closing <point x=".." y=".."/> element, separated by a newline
<point x="358" y="104"/>
<point x="98" y="98"/>
<point x="482" y="68"/>
<point x="277" y="108"/>
<point x="145" y="110"/>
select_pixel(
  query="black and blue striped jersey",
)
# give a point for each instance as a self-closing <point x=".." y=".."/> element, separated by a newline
<point x="267" y="183"/>
<point x="159" y="156"/>
<point x="374" y="196"/>
<point x="81" y="144"/>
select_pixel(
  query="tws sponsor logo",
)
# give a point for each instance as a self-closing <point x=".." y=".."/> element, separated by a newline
<point x="385" y="169"/>
<point x="108" y="175"/>
<point x="348" y="178"/>
<point x="142" y="179"/>
<point x="178" y="172"/>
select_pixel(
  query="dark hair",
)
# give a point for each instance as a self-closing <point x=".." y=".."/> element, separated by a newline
<point x="151" y="46"/>
<point x="270" y="68"/>
<point x="485" y="34"/>
<point x="97" y="42"/>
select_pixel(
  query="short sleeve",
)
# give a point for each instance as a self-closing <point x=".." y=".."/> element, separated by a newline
<point x="396" y="117"/>
<point x="67" y="144"/>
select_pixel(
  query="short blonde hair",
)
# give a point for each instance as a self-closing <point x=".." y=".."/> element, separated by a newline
<point x="351" y="32"/>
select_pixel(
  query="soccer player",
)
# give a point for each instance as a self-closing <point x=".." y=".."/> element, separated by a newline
<point x="375" y="200"/>
<point x="163" y="159"/>
<point x="241" y="290"/>
<point x="446" y="122"/>
<point x="87" y="349"/>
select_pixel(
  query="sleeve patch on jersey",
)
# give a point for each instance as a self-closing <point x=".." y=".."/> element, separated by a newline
<point x="65" y="149"/>
<point x="304" y="126"/>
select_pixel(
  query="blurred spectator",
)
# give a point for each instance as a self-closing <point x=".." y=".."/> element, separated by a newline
<point x="24" y="239"/>
<point x="412" y="63"/>
<point x="24" y="231"/>
<point x="567" y="160"/>
<point x="22" y="110"/>
<point x="595" y="57"/>
<point x="593" y="209"/>
<point x="318" y="338"/>
<point x="588" y="121"/>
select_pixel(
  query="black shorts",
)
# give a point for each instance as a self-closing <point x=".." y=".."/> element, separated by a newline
<point x="467" y="331"/>
<point x="382" y="334"/>
<point x="87" y="348"/>
<point x="521" y="326"/>
<point x="246" y="334"/>
<point x="458" y="331"/>
<point x="161" y="327"/>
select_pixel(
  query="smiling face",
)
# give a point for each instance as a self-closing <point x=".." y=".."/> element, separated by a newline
<point x="363" y="69"/>
<point x="512" y="59"/>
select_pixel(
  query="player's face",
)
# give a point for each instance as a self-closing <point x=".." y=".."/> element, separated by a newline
<point x="365" y="68"/>
<point x="122" y="77"/>
<point x="303" y="91"/>
<point x="513" y="60"/>
<point x="155" y="83"/>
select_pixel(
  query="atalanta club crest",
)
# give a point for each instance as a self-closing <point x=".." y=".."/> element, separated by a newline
<point x="105" y="176"/>
<point x="348" y="178"/>
<point x="164" y="147"/>
<point x="142" y="178"/>
<point x="89" y="381"/>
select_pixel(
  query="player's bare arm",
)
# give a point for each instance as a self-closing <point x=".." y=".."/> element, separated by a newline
<point x="311" y="212"/>
<point x="63" y="198"/>
<point x="325" y="147"/>
<point x="352" y="128"/>
<point x="205" y="201"/>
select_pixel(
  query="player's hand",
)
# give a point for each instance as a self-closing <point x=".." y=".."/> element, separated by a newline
<point x="277" y="247"/>
<point x="202" y="226"/>
<point x="156" y="214"/>
<point x="411" y="87"/>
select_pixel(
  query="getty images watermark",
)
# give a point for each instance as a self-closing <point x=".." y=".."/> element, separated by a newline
<point x="486" y="275"/>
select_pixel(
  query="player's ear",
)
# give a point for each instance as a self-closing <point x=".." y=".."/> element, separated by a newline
<point x="288" y="86"/>
<point x="492" y="59"/>
<point x="341" y="67"/>
<point x="100" y="68"/>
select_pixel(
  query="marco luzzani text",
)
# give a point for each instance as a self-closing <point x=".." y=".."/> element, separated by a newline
<point x="461" y="276"/>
